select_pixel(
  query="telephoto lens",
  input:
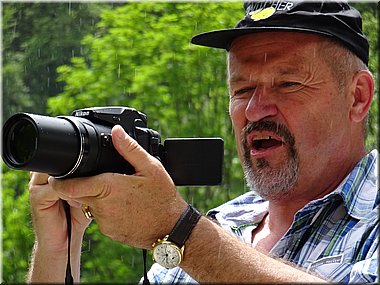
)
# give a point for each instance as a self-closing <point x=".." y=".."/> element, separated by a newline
<point x="40" y="143"/>
<point x="63" y="147"/>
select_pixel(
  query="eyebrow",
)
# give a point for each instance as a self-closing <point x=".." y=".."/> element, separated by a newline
<point x="237" y="78"/>
<point x="281" y="71"/>
<point x="289" y="70"/>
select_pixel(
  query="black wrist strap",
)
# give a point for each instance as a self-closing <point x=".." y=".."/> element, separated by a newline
<point x="68" y="278"/>
<point x="184" y="226"/>
<point x="145" y="280"/>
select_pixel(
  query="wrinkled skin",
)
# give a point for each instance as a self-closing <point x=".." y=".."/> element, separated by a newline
<point x="280" y="79"/>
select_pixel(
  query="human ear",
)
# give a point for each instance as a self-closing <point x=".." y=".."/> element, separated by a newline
<point x="362" y="93"/>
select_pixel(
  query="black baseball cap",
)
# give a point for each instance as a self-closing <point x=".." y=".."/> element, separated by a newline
<point x="335" y="19"/>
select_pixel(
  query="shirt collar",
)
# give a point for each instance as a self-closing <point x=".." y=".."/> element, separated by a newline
<point x="360" y="189"/>
<point x="248" y="208"/>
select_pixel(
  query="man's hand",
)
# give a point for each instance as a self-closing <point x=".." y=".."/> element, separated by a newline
<point x="135" y="209"/>
<point x="49" y="216"/>
<point x="49" y="219"/>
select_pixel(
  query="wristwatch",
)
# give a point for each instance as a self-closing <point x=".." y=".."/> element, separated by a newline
<point x="168" y="252"/>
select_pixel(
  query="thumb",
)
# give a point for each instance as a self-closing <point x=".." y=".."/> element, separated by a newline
<point x="130" y="149"/>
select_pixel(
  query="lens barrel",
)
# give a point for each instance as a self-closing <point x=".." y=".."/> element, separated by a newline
<point x="40" y="143"/>
<point x="63" y="147"/>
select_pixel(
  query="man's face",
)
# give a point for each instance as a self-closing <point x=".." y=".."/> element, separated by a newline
<point x="290" y="119"/>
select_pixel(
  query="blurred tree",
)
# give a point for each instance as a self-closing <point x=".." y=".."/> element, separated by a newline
<point x="141" y="57"/>
<point x="17" y="234"/>
<point x="39" y="37"/>
<point x="138" y="55"/>
<point x="13" y="67"/>
<point x="370" y="14"/>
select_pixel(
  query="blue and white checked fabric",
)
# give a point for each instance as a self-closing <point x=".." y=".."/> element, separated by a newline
<point x="336" y="237"/>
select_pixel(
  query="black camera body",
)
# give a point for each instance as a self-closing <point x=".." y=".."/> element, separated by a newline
<point x="81" y="145"/>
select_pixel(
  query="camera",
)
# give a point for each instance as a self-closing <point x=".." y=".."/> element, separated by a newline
<point x="81" y="145"/>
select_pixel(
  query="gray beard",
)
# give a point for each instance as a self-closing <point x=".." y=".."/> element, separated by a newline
<point x="268" y="182"/>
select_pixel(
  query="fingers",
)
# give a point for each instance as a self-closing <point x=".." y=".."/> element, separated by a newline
<point x="40" y="192"/>
<point x="38" y="178"/>
<point x="99" y="186"/>
<point x="132" y="152"/>
<point x="79" y="189"/>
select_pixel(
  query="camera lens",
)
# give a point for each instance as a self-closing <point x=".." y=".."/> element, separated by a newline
<point x="64" y="146"/>
<point x="23" y="141"/>
<point x="43" y="144"/>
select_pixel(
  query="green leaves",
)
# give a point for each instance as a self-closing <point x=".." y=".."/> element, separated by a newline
<point x="142" y="58"/>
<point x="58" y="57"/>
<point x="17" y="234"/>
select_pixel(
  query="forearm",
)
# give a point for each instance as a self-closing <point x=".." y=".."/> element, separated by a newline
<point x="50" y="267"/>
<point x="214" y="256"/>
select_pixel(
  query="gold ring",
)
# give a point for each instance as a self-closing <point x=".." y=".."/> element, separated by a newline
<point x="86" y="211"/>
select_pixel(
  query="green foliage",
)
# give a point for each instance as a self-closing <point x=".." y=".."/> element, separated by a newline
<point x="13" y="66"/>
<point x="371" y="29"/>
<point x="104" y="260"/>
<point x="138" y="55"/>
<point x="17" y="232"/>
<point x="141" y="57"/>
<point x="39" y="37"/>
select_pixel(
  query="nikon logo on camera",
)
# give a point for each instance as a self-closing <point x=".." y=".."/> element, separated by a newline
<point x="82" y="113"/>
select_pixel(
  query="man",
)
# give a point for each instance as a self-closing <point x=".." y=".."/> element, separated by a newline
<point x="300" y="91"/>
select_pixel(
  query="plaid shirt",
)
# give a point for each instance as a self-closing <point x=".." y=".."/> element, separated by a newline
<point x="336" y="237"/>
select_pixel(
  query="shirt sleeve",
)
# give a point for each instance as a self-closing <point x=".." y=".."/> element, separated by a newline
<point x="160" y="275"/>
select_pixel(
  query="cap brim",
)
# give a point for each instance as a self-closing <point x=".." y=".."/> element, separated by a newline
<point x="223" y="38"/>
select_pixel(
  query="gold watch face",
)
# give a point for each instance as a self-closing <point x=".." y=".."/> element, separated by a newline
<point x="167" y="254"/>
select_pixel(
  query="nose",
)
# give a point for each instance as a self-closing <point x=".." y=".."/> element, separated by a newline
<point x="261" y="105"/>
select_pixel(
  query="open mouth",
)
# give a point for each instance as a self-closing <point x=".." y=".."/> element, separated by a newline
<point x="265" y="142"/>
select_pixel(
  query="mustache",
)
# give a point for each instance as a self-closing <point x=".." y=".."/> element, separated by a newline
<point x="277" y="128"/>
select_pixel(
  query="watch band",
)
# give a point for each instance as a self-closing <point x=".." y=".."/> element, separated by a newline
<point x="184" y="226"/>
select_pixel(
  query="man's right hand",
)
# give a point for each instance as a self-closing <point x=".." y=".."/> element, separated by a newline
<point x="49" y="219"/>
